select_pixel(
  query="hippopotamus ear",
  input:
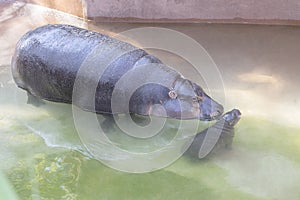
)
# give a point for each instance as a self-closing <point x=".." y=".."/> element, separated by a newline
<point x="172" y="94"/>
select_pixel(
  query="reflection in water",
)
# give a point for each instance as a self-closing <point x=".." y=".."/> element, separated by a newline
<point x="256" y="78"/>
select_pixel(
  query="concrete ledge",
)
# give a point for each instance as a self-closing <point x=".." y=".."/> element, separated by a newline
<point x="208" y="21"/>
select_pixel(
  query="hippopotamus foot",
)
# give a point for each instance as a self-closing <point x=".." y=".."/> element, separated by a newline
<point x="33" y="100"/>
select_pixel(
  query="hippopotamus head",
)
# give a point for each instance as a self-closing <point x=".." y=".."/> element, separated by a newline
<point x="183" y="100"/>
<point x="188" y="100"/>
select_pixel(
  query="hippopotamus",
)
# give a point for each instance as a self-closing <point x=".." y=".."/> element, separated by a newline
<point x="47" y="60"/>
<point x="217" y="137"/>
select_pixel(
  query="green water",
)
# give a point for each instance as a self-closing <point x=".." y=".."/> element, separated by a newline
<point x="42" y="157"/>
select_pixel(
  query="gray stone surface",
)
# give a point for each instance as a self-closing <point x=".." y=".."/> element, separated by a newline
<point x="195" y="9"/>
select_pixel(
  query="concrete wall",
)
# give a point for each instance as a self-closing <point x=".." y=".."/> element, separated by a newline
<point x="195" y="9"/>
<point x="180" y="10"/>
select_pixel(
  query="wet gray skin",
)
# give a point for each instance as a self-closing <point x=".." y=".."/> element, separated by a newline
<point x="215" y="138"/>
<point x="47" y="59"/>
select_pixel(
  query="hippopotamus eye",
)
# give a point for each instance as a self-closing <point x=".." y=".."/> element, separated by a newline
<point x="172" y="94"/>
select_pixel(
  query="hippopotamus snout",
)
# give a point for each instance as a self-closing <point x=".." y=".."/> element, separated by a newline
<point x="209" y="109"/>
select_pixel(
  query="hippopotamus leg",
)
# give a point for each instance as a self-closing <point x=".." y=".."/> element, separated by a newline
<point x="33" y="100"/>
